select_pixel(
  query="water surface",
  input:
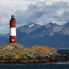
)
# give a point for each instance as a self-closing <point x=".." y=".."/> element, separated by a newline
<point x="35" y="66"/>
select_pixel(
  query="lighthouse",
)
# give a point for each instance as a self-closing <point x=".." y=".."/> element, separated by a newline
<point x="12" y="38"/>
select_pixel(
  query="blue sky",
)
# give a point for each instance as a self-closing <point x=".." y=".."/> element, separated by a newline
<point x="36" y="11"/>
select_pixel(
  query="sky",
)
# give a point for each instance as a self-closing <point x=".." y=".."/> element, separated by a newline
<point x="33" y="11"/>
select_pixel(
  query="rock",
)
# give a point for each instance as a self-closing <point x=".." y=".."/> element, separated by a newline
<point x="18" y="53"/>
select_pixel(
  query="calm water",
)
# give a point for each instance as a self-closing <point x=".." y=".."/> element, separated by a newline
<point x="35" y="66"/>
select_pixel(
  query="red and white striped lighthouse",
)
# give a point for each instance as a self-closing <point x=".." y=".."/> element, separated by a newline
<point x="12" y="38"/>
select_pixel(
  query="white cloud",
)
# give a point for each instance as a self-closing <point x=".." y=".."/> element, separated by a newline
<point x="29" y="13"/>
<point x="60" y="12"/>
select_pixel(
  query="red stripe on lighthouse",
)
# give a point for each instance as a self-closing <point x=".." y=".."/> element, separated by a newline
<point x="12" y="30"/>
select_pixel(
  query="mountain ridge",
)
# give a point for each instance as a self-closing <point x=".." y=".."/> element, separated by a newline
<point x="51" y="34"/>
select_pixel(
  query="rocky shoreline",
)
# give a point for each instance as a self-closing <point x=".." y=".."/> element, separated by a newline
<point x="15" y="53"/>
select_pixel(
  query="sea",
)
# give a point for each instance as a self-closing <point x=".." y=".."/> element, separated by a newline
<point x="64" y="65"/>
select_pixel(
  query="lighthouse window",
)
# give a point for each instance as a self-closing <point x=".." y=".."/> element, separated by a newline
<point x="12" y="39"/>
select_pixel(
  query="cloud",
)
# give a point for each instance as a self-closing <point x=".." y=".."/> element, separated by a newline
<point x="60" y="12"/>
<point x="42" y="14"/>
<point x="37" y="11"/>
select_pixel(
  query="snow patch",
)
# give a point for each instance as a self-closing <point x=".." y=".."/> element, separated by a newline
<point x="31" y="25"/>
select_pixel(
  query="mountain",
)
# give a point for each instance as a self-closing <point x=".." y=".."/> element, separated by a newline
<point x="65" y="29"/>
<point x="51" y="34"/>
<point x="27" y="28"/>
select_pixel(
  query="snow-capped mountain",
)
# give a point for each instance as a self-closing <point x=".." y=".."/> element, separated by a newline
<point x="48" y="29"/>
<point x="51" y="34"/>
<point x="27" y="28"/>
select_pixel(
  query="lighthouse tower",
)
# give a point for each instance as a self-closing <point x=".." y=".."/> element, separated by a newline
<point x="12" y="38"/>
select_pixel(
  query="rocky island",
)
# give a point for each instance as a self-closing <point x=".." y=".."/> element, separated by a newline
<point x="16" y="53"/>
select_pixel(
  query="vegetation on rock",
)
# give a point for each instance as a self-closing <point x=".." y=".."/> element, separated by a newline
<point x="14" y="53"/>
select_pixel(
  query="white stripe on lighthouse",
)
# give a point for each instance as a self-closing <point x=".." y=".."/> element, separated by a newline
<point x="13" y="32"/>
